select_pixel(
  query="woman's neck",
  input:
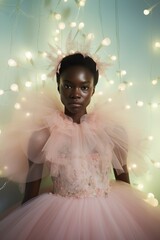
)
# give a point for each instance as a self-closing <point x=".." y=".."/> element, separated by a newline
<point x="75" y="116"/>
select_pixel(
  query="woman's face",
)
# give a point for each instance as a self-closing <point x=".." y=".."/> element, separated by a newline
<point x="76" y="88"/>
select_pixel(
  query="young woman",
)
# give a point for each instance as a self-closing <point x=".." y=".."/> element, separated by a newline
<point x="79" y="150"/>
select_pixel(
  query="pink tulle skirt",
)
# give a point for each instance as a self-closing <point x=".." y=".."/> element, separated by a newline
<point x="122" y="215"/>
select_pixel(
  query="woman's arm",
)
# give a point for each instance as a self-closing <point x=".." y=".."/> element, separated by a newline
<point x="32" y="188"/>
<point x="36" y="143"/>
<point x="123" y="176"/>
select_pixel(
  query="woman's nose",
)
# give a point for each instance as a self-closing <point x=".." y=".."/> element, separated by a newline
<point x="75" y="93"/>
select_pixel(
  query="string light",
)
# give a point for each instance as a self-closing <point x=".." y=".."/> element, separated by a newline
<point x="14" y="87"/>
<point x="154" y="105"/>
<point x="111" y="82"/>
<point x="90" y="36"/>
<point x="113" y="58"/>
<point x="28" y="55"/>
<point x="81" y="25"/>
<point x="17" y="106"/>
<point x="122" y="87"/>
<point x="150" y="138"/>
<point x="73" y="24"/>
<point x="127" y="107"/>
<point x="157" y="164"/>
<point x="154" y="82"/>
<point x="157" y="44"/>
<point x="146" y="12"/>
<point x="1" y="91"/>
<point x="28" y="84"/>
<point x="57" y="16"/>
<point x="106" y="42"/>
<point x="140" y="186"/>
<point x="12" y="63"/>
<point x="140" y="103"/>
<point x="43" y="77"/>
<point x="130" y="84"/>
<point x="109" y="99"/>
<point x="61" y="25"/>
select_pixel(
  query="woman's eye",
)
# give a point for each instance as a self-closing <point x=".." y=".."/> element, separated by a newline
<point x="66" y="86"/>
<point x="85" y="88"/>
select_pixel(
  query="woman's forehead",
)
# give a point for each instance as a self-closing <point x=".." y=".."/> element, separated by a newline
<point x="80" y="72"/>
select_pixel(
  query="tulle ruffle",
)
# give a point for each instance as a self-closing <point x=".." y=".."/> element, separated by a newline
<point x="42" y="133"/>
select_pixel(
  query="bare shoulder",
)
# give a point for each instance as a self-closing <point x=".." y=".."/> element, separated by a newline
<point x="37" y="141"/>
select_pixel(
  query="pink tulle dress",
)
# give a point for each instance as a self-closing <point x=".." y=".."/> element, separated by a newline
<point x="86" y="204"/>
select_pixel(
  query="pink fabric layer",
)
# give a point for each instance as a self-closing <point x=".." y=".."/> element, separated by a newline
<point x="122" y="215"/>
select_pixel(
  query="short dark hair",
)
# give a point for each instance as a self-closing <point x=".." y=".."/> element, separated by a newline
<point x="78" y="59"/>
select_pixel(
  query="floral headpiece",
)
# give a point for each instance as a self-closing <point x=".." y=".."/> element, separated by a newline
<point x="57" y="54"/>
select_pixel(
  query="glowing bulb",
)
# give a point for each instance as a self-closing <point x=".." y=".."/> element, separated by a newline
<point x="43" y="77"/>
<point x="61" y="25"/>
<point x="65" y="0"/>
<point x="154" y="105"/>
<point x="150" y="138"/>
<point x="44" y="54"/>
<point x="150" y="195"/>
<point x="157" y="44"/>
<point x="1" y="92"/>
<point x="130" y="84"/>
<point x="0" y="131"/>
<point x="154" y="82"/>
<point x="140" y="186"/>
<point x="57" y="16"/>
<point x="113" y="58"/>
<point x="81" y="25"/>
<point x="134" y="166"/>
<point x="12" y="63"/>
<point x="146" y="12"/>
<point x="23" y="99"/>
<point x="59" y="52"/>
<point x="109" y="99"/>
<point x="56" y="39"/>
<point x="28" y="55"/>
<point x="28" y="84"/>
<point x="127" y="106"/>
<point x="14" y="87"/>
<point x="157" y="164"/>
<point x="122" y="86"/>
<point x="82" y="3"/>
<point x="100" y="93"/>
<point x="90" y="36"/>
<point x="111" y="81"/>
<point x="106" y="42"/>
<point x="140" y="103"/>
<point x="17" y="106"/>
<point x="5" y="167"/>
<point x="73" y="24"/>
<point x="123" y="73"/>
<point x="28" y="114"/>
<point x="57" y="31"/>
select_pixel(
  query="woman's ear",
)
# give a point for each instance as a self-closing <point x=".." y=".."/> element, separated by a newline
<point x="93" y="91"/>
<point x="58" y="87"/>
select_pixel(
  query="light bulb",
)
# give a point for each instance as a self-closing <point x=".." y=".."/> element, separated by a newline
<point x="140" y="103"/>
<point x="106" y="42"/>
<point x="150" y="195"/>
<point x="43" y="77"/>
<point x="14" y="87"/>
<point x="157" y="164"/>
<point x="57" y="31"/>
<point x="0" y="131"/>
<point x="154" y="82"/>
<point x="1" y="92"/>
<point x="157" y="44"/>
<point x="140" y="186"/>
<point x="100" y="93"/>
<point x="73" y="24"/>
<point x="127" y="106"/>
<point x="122" y="86"/>
<point x="17" y="106"/>
<point x="28" y="55"/>
<point x="61" y="25"/>
<point x="56" y="39"/>
<point x="130" y="83"/>
<point x="28" y="114"/>
<point x="154" y="105"/>
<point x="109" y="99"/>
<point x="146" y="12"/>
<point x="28" y="84"/>
<point x="123" y="72"/>
<point x="90" y="36"/>
<point x="57" y="16"/>
<point x="134" y="166"/>
<point x="150" y="138"/>
<point x="44" y="54"/>
<point x="111" y="81"/>
<point x="113" y="58"/>
<point x="81" y="25"/>
<point x="12" y="62"/>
